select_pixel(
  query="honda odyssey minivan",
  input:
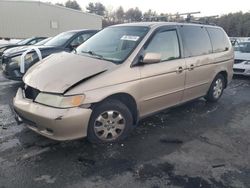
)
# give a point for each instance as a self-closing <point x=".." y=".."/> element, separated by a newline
<point x="122" y="74"/>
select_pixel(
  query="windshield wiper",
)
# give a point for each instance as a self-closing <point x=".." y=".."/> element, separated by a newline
<point x="93" y="54"/>
<point x="98" y="56"/>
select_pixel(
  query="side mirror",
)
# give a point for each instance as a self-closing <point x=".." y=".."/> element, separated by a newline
<point x="150" y="58"/>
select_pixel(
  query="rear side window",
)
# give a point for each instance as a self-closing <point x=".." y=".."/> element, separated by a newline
<point x="196" y="41"/>
<point x="165" y="43"/>
<point x="219" y="40"/>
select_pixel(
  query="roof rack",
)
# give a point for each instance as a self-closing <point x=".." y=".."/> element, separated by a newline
<point x="179" y="17"/>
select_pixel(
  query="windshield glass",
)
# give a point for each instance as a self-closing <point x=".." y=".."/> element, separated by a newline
<point x="43" y="42"/>
<point x="60" y="40"/>
<point x="243" y="47"/>
<point x="25" y="41"/>
<point x="114" y="43"/>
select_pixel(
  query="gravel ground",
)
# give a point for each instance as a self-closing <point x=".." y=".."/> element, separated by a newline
<point x="193" y="145"/>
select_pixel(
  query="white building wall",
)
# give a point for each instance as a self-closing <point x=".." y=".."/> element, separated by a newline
<point x="23" y="19"/>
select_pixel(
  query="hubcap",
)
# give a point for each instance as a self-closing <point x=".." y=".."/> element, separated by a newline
<point x="218" y="88"/>
<point x="109" y="125"/>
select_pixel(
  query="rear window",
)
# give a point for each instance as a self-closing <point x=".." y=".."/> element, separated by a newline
<point x="196" y="41"/>
<point x="219" y="39"/>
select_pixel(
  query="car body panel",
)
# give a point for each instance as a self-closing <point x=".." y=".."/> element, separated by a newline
<point x="161" y="85"/>
<point x="56" y="80"/>
<point x="57" y="124"/>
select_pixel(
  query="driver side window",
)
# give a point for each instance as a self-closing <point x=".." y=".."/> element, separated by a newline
<point x="80" y="39"/>
<point x="32" y="42"/>
<point x="165" y="43"/>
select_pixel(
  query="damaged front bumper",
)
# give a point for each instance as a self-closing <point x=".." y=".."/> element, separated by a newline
<point x="54" y="123"/>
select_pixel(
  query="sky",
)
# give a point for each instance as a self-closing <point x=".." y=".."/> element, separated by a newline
<point x="207" y="8"/>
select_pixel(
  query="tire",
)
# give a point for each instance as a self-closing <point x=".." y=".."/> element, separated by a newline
<point x="216" y="89"/>
<point x="111" y="121"/>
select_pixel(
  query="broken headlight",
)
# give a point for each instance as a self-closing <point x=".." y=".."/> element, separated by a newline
<point x="15" y="60"/>
<point x="29" y="58"/>
<point x="2" y="50"/>
<point x="60" y="101"/>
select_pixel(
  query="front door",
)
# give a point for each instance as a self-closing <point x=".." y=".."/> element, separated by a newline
<point x="162" y="84"/>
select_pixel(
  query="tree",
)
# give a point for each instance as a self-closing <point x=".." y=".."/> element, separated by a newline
<point x="96" y="8"/>
<point x="149" y="14"/>
<point x="73" y="5"/>
<point x="133" y="15"/>
<point x="235" y="24"/>
<point x="120" y="14"/>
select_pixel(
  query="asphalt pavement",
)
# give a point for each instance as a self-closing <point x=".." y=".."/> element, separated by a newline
<point x="197" y="144"/>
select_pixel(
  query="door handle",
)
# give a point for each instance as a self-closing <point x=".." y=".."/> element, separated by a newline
<point x="179" y="70"/>
<point x="191" y="67"/>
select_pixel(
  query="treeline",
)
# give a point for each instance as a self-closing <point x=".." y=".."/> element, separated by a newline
<point x="235" y="24"/>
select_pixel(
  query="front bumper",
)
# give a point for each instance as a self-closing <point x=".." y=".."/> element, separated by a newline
<point x="241" y="67"/>
<point x="9" y="71"/>
<point x="240" y="71"/>
<point x="12" y="74"/>
<point x="54" y="123"/>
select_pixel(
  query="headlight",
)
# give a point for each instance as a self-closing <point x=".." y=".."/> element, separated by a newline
<point x="28" y="59"/>
<point x="2" y="49"/>
<point x="60" y="101"/>
<point x="15" y="60"/>
<point x="247" y="63"/>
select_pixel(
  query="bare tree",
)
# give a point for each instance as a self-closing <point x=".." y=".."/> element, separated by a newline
<point x="96" y="8"/>
<point x="73" y="5"/>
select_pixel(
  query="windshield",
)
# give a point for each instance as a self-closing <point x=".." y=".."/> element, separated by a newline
<point x="25" y="41"/>
<point x="60" y="40"/>
<point x="114" y="43"/>
<point x="243" y="47"/>
<point x="43" y="42"/>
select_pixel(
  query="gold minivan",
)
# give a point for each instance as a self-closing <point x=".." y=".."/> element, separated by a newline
<point x="122" y="74"/>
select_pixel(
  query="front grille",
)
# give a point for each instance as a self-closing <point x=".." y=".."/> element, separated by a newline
<point x="237" y="61"/>
<point x="239" y="70"/>
<point x="5" y="59"/>
<point x="31" y="93"/>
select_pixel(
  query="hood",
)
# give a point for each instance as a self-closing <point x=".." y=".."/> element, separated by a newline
<point x="241" y="55"/>
<point x="19" y="50"/>
<point x="8" y="45"/>
<point x="59" y="72"/>
<point x="15" y="49"/>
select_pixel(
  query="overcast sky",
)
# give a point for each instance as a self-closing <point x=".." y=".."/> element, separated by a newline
<point x="207" y="7"/>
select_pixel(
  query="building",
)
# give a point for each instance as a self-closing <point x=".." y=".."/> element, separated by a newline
<point x="23" y="19"/>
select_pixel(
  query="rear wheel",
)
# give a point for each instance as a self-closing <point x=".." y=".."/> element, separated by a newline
<point x="111" y="121"/>
<point x="216" y="89"/>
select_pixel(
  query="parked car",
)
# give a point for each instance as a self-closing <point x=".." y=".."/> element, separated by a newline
<point x="242" y="59"/>
<point x="25" y="42"/>
<point x="66" y="41"/>
<point x="121" y="75"/>
<point x="19" y="48"/>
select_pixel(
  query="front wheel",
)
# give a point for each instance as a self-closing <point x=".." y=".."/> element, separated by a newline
<point x="111" y="121"/>
<point x="216" y="89"/>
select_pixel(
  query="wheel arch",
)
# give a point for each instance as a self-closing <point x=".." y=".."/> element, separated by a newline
<point x="225" y="75"/>
<point x="127" y="100"/>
